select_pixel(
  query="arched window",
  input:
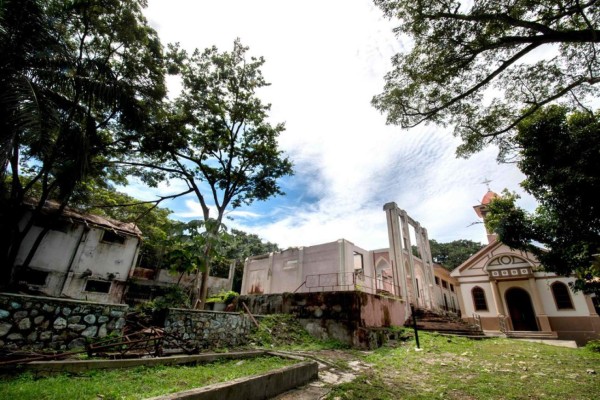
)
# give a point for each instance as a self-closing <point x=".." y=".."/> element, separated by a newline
<point x="560" y="291"/>
<point x="479" y="299"/>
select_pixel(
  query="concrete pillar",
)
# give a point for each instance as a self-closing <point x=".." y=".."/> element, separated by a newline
<point x="406" y="236"/>
<point x="341" y="278"/>
<point x="590" y="305"/>
<point x="538" y="305"/>
<point x="398" y="269"/>
<point x="423" y="251"/>
<point x="244" y="289"/>
<point x="498" y="303"/>
<point x="269" y="281"/>
<point x="300" y="274"/>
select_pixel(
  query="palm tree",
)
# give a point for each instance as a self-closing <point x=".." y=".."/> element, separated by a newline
<point x="78" y="83"/>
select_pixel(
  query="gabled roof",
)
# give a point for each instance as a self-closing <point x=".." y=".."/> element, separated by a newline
<point x="475" y="258"/>
<point x="51" y="206"/>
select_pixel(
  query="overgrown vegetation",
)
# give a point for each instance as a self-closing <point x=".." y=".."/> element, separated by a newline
<point x="285" y="332"/>
<point x="224" y="297"/>
<point x="135" y="383"/>
<point x="460" y="368"/>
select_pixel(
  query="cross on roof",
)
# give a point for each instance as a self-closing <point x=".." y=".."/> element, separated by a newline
<point x="487" y="182"/>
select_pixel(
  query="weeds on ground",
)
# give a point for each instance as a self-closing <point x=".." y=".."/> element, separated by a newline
<point x="134" y="383"/>
<point x="460" y="368"/>
<point x="283" y="331"/>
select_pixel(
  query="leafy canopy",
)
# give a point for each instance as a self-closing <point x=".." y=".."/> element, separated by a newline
<point x="465" y="53"/>
<point x="560" y="157"/>
<point x="79" y="81"/>
<point x="454" y="253"/>
<point x="216" y="136"/>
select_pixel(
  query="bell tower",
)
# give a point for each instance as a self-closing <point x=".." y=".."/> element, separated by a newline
<point x="481" y="209"/>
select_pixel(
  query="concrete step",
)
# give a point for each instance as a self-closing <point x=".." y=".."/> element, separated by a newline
<point x="532" y="334"/>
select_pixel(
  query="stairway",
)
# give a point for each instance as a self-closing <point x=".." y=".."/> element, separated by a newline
<point x="532" y="335"/>
<point x="428" y="320"/>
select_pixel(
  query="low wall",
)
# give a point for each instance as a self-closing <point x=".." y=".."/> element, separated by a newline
<point x="41" y="322"/>
<point x="205" y="329"/>
<point x="354" y="318"/>
<point x="257" y="387"/>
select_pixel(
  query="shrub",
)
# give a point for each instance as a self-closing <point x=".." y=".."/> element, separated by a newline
<point x="593" y="345"/>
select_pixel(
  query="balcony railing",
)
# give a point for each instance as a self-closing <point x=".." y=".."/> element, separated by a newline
<point x="349" y="281"/>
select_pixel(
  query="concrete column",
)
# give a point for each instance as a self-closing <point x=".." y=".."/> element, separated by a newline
<point x="461" y="301"/>
<point x="244" y="289"/>
<point x="269" y="281"/>
<point x="423" y="250"/>
<point x="590" y="305"/>
<point x="342" y="263"/>
<point x="300" y="274"/>
<point x="398" y="270"/>
<point x="539" y="307"/>
<point x="497" y="297"/>
<point x="406" y="236"/>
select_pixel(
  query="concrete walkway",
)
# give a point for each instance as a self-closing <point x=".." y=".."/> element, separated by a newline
<point x="559" y="343"/>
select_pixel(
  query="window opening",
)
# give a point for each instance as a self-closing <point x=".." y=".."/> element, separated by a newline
<point x="479" y="300"/>
<point x="93" y="285"/>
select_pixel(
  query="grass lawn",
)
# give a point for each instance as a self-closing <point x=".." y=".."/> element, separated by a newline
<point x="135" y="383"/>
<point x="459" y="368"/>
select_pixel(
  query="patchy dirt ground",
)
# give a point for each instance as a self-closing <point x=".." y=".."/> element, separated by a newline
<point x="335" y="367"/>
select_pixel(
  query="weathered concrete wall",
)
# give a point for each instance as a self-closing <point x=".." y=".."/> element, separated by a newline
<point x="42" y="322"/>
<point x="328" y="266"/>
<point x="205" y="329"/>
<point x="350" y="317"/>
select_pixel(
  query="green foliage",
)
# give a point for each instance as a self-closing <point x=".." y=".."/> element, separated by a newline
<point x="173" y="297"/>
<point x="194" y="244"/>
<point x="461" y="368"/>
<point x="559" y="157"/>
<point x="462" y="53"/>
<point x="216" y="136"/>
<point x="454" y="253"/>
<point x="80" y="81"/>
<point x="133" y="383"/>
<point x="157" y="229"/>
<point x="239" y="246"/>
<point x="224" y="297"/>
<point x="285" y="332"/>
<point x="593" y="345"/>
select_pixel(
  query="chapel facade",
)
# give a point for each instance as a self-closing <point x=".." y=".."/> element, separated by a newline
<point x="506" y="290"/>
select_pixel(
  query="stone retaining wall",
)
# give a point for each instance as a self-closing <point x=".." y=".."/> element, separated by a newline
<point x="41" y="322"/>
<point x="356" y="318"/>
<point x="205" y="329"/>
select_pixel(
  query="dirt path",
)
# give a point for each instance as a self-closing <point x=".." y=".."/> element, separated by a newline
<point x="335" y="367"/>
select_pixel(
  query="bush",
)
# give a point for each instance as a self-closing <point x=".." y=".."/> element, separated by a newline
<point x="593" y="345"/>
<point x="224" y="297"/>
<point x="174" y="297"/>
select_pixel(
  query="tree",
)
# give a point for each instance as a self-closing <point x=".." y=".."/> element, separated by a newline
<point x="454" y="253"/>
<point x="560" y="157"/>
<point x="153" y="221"/>
<point x="80" y="80"/>
<point x="466" y="53"/>
<point x="216" y="136"/>
<point x="237" y="248"/>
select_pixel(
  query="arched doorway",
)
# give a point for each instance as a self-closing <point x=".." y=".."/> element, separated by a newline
<point x="521" y="310"/>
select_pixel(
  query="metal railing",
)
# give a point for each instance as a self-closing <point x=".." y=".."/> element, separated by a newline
<point x="503" y="323"/>
<point x="477" y="320"/>
<point x="350" y="281"/>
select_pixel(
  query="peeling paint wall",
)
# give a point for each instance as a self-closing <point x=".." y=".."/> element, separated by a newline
<point x="76" y="255"/>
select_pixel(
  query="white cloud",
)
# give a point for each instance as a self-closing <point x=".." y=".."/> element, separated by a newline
<point x="325" y="61"/>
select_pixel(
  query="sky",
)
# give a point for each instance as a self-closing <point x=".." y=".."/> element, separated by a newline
<point x="325" y="60"/>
